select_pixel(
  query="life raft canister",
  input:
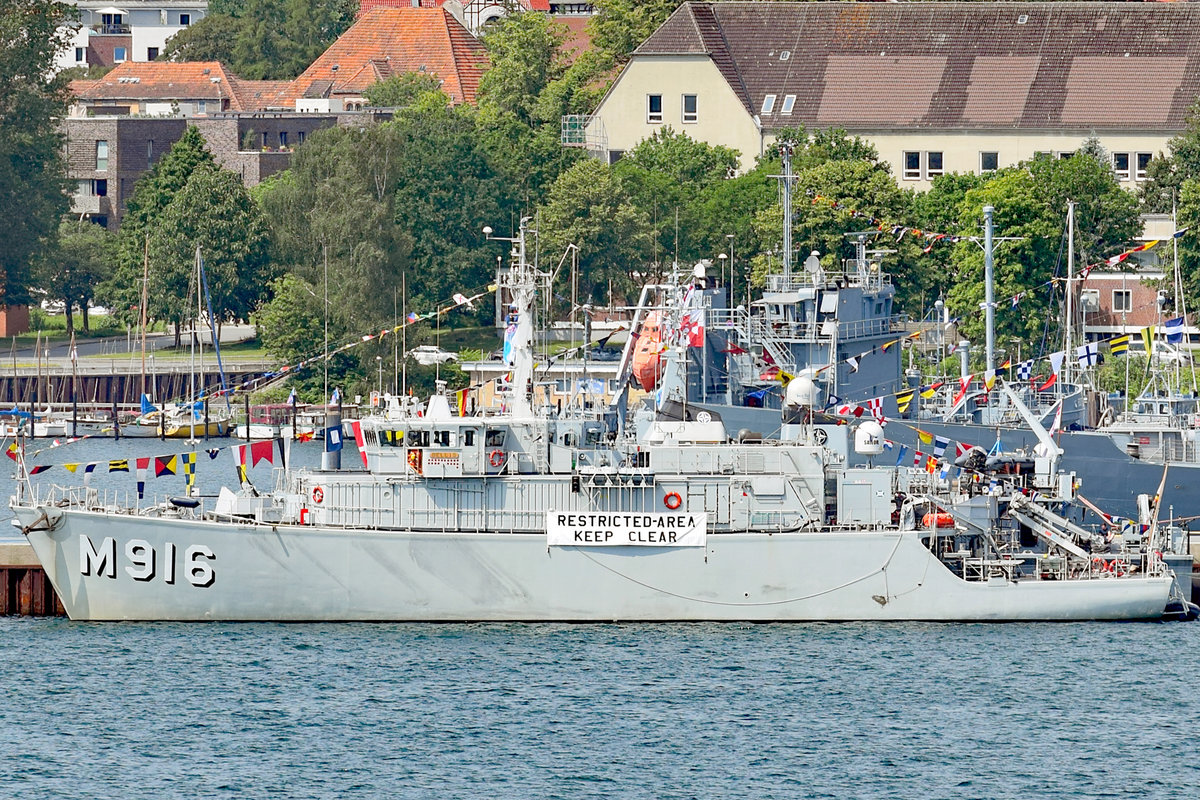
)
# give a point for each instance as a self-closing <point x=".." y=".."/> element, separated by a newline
<point x="931" y="520"/>
<point x="672" y="500"/>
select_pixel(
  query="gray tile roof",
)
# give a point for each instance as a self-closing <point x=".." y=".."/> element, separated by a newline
<point x="1078" y="65"/>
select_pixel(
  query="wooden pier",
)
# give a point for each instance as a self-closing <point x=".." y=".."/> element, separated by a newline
<point x="24" y="589"/>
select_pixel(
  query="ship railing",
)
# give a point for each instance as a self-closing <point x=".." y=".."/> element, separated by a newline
<point x="115" y="501"/>
<point x="872" y="280"/>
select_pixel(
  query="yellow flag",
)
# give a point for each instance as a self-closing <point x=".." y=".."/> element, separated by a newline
<point x="1119" y="345"/>
<point x="904" y="399"/>
<point x="1148" y="338"/>
<point x="925" y="437"/>
<point x="70" y="467"/>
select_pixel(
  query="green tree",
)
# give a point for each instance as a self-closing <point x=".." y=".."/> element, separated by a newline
<point x="586" y="207"/>
<point x="152" y="193"/>
<point x="291" y="325"/>
<point x="619" y="26"/>
<point x="524" y="53"/>
<point x="83" y="256"/>
<point x="212" y="212"/>
<point x="400" y="91"/>
<point x="264" y="39"/>
<point x="1030" y="202"/>
<point x="1165" y="174"/>
<point x="32" y="172"/>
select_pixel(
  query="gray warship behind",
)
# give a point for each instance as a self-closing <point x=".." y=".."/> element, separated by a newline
<point x="534" y="515"/>
<point x="839" y="328"/>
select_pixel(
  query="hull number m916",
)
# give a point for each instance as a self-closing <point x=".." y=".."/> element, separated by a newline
<point x="142" y="562"/>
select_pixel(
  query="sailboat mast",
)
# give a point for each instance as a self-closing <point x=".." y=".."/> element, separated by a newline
<point x="1066" y="363"/>
<point x="145" y="300"/>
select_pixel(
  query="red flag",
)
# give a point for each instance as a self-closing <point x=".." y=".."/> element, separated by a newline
<point x="961" y="449"/>
<point x="262" y="451"/>
<point x="963" y="383"/>
<point x="356" y="426"/>
<point x="692" y="326"/>
<point x="1049" y="382"/>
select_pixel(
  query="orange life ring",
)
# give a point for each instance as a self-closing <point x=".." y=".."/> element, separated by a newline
<point x="497" y="458"/>
<point x="672" y="500"/>
<point x="318" y="494"/>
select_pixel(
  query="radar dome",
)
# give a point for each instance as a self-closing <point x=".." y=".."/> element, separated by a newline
<point x="868" y="438"/>
<point x="801" y="391"/>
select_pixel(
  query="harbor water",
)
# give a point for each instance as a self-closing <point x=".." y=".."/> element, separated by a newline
<point x="149" y="710"/>
<point x="598" y="711"/>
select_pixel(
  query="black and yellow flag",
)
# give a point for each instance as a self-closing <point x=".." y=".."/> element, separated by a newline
<point x="1119" y="345"/>
<point x="903" y="399"/>
<point x="119" y="466"/>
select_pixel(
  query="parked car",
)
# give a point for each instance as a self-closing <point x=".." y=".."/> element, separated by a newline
<point x="427" y="355"/>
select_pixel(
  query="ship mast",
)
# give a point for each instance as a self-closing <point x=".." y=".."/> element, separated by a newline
<point x="522" y="281"/>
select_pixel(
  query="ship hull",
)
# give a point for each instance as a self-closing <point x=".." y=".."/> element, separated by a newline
<point x="119" y="567"/>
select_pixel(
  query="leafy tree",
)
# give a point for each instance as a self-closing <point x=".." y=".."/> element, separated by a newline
<point x="214" y="212"/>
<point x="524" y="53"/>
<point x="32" y="173"/>
<point x="400" y="91"/>
<point x="152" y="193"/>
<point x="264" y="39"/>
<point x="587" y="207"/>
<point x="1030" y="202"/>
<point x="83" y="256"/>
<point x="817" y="146"/>
<point x="1165" y="175"/>
<point x="667" y="176"/>
<point x="619" y="26"/>
<point x="1189" y="249"/>
<point x="291" y="323"/>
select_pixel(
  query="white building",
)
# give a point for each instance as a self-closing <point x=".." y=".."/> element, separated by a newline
<point x="935" y="87"/>
<point x="112" y="33"/>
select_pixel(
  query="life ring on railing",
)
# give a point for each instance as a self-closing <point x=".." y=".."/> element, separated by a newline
<point x="318" y="494"/>
<point x="497" y="458"/>
<point x="672" y="500"/>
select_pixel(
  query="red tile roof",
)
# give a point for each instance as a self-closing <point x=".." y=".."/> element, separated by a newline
<point x="392" y="41"/>
<point x="370" y="5"/>
<point x="161" y="80"/>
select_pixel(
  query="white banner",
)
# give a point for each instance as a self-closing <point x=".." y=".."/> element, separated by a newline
<point x="565" y="529"/>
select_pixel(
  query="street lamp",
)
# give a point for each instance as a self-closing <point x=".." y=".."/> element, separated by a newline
<point x="723" y="258"/>
<point x="379" y="364"/>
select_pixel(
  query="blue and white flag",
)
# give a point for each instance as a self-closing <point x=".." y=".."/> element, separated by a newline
<point x="336" y="397"/>
<point x="1088" y="354"/>
<point x="147" y="406"/>
<point x="292" y="397"/>
<point x="1025" y="370"/>
<point x="509" y="334"/>
<point x="900" y="455"/>
<point x="333" y="439"/>
<point x="940" y="443"/>
<point x="1174" y="330"/>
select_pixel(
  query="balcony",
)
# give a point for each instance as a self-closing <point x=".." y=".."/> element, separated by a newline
<point x="111" y="30"/>
<point x="90" y="204"/>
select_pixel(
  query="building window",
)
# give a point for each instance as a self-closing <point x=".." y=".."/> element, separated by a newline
<point x="149" y="151"/>
<point x="768" y="104"/>
<point x="1040" y="154"/>
<point x="283" y="139"/>
<point x="912" y="165"/>
<point x="933" y="164"/>
<point x="1121" y="166"/>
<point x="79" y="54"/>
<point x="1122" y="301"/>
<point x="789" y="102"/>
<point x="101" y="156"/>
<point x="100" y="187"/>
<point x="264" y="141"/>
<point x="989" y="162"/>
<point x="689" y="108"/>
<point x="1064" y="154"/>
<point x="201" y="106"/>
<point x="118" y="54"/>
<point x="300" y="137"/>
<point x="1143" y="161"/>
<point x="654" y="108"/>
<point x="614" y="156"/>
<point x="151" y="53"/>
<point x="185" y="19"/>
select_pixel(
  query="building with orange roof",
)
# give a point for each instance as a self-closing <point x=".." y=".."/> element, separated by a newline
<point x="392" y="41"/>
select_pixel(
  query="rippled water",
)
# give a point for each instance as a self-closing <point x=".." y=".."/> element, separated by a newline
<point x="597" y="711"/>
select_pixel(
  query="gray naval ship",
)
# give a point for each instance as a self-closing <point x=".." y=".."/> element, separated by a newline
<point x="535" y="515"/>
